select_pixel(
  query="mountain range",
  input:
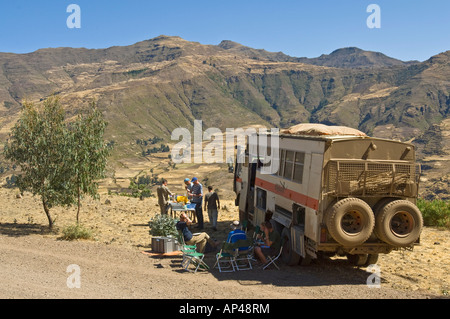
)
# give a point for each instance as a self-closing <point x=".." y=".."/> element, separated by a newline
<point x="152" y="87"/>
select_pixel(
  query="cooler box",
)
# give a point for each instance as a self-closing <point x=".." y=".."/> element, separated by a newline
<point x="164" y="245"/>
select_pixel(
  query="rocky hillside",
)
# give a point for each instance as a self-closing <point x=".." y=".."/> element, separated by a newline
<point x="356" y="58"/>
<point x="154" y="86"/>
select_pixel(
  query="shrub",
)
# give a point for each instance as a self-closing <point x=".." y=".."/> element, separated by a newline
<point x="140" y="190"/>
<point x="435" y="212"/>
<point x="11" y="182"/>
<point x="163" y="225"/>
<point x="76" y="232"/>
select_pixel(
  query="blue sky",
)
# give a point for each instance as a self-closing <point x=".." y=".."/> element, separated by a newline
<point x="410" y="30"/>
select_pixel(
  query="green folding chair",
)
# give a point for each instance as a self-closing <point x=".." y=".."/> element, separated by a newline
<point x="197" y="261"/>
<point x="245" y="226"/>
<point x="191" y="256"/>
<point x="224" y="258"/>
<point x="243" y="254"/>
<point x="256" y="231"/>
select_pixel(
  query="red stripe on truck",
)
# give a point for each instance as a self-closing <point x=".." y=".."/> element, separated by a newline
<point x="299" y="198"/>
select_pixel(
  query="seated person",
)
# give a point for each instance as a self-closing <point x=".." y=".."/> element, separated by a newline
<point x="236" y="234"/>
<point x="272" y="242"/>
<point x="199" y="239"/>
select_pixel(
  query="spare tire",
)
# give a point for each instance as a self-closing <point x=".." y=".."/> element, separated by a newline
<point x="399" y="223"/>
<point x="350" y="221"/>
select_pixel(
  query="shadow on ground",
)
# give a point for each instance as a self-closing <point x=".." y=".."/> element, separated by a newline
<point x="20" y="229"/>
<point x="321" y="272"/>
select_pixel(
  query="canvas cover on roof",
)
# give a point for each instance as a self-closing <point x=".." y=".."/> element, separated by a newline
<point x="313" y="129"/>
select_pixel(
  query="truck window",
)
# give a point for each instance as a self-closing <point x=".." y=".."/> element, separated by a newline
<point x="298" y="216"/>
<point x="298" y="167"/>
<point x="289" y="165"/>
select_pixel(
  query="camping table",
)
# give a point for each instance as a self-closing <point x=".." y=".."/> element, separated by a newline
<point x="177" y="208"/>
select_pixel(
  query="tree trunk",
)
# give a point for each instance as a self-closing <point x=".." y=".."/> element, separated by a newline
<point x="47" y="212"/>
<point x="79" y="204"/>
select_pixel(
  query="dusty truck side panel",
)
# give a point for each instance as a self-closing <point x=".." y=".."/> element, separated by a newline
<point x="289" y="187"/>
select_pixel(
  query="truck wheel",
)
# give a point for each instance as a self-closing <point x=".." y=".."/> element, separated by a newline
<point x="350" y="221"/>
<point x="372" y="259"/>
<point x="381" y="203"/>
<point x="357" y="260"/>
<point x="289" y="256"/>
<point x="399" y="223"/>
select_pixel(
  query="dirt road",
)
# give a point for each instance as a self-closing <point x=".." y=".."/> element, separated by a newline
<point x="37" y="267"/>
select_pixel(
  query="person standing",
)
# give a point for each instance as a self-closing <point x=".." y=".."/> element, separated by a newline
<point x="163" y="196"/>
<point x="197" y="198"/>
<point x="188" y="186"/>
<point x="212" y="204"/>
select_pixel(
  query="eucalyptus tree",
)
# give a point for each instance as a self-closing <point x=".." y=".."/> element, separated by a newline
<point x="59" y="161"/>
<point x="40" y="145"/>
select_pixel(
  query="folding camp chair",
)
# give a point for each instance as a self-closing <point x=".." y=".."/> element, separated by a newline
<point x="190" y="255"/>
<point x="197" y="261"/>
<point x="224" y="258"/>
<point x="243" y="254"/>
<point x="256" y="232"/>
<point x="235" y="256"/>
<point x="183" y="247"/>
<point x="273" y="259"/>
<point x="244" y="226"/>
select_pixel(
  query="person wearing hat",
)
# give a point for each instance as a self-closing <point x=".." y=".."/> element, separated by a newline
<point x="188" y="186"/>
<point x="197" y="198"/>
<point x="236" y="233"/>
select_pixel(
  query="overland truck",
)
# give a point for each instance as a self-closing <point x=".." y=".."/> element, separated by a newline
<point x="336" y="191"/>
